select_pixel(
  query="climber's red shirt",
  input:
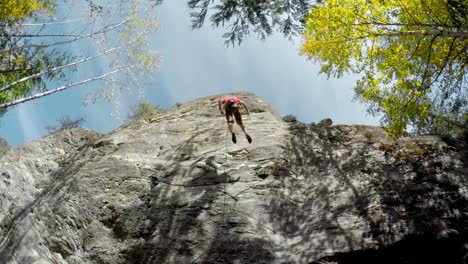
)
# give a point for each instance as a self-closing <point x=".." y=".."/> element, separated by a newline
<point x="235" y="99"/>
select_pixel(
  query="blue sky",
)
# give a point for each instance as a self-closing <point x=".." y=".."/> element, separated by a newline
<point x="196" y="63"/>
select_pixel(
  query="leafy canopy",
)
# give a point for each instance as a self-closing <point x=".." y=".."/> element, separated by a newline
<point x="412" y="55"/>
<point x="39" y="54"/>
<point x="15" y="64"/>
<point x="14" y="10"/>
<point x="242" y="17"/>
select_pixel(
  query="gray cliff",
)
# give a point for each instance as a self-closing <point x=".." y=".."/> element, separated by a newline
<point x="4" y="147"/>
<point x="173" y="188"/>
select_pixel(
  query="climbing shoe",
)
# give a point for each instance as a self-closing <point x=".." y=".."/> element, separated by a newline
<point x="249" y="139"/>
<point x="234" y="138"/>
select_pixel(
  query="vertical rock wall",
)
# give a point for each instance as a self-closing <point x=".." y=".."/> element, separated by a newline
<point x="173" y="188"/>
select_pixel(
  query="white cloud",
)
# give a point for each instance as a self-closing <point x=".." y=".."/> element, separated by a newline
<point x="29" y="124"/>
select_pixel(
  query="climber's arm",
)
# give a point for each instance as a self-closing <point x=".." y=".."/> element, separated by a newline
<point x="246" y="108"/>
<point x="219" y="107"/>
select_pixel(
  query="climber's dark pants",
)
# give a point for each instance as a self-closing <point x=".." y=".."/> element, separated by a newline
<point x="233" y="112"/>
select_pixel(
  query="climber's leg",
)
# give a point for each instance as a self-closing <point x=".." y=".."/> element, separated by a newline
<point x="230" y="121"/>
<point x="238" y="118"/>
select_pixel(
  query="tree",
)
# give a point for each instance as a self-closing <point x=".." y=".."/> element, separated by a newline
<point x="37" y="55"/>
<point x="14" y="10"/>
<point x="411" y="56"/>
<point x="13" y="64"/>
<point x="65" y="122"/>
<point x="241" y="17"/>
<point x="4" y="147"/>
<point x="142" y="110"/>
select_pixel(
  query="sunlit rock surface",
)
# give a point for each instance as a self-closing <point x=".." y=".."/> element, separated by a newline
<point x="173" y="188"/>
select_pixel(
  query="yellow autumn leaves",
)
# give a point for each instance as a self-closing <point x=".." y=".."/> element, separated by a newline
<point x="14" y="10"/>
<point x="396" y="46"/>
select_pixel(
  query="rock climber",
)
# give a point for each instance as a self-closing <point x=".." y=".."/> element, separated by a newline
<point x="231" y="108"/>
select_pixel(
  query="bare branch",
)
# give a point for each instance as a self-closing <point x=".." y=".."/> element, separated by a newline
<point x="452" y="122"/>
<point x="439" y="33"/>
<point x="408" y="12"/>
<point x="16" y="70"/>
<point x="61" y="88"/>
<point x="416" y="48"/>
<point x="101" y="31"/>
<point x="428" y="63"/>
<point x="50" y="23"/>
<point x="39" y="35"/>
<point x="430" y="12"/>
<point x="33" y="76"/>
<point x="377" y="23"/>
<point x="447" y="58"/>
<point x="30" y="77"/>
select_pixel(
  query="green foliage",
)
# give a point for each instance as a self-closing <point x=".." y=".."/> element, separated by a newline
<point x="30" y="43"/>
<point x="439" y="125"/>
<point x="142" y="110"/>
<point x="412" y="55"/>
<point x="16" y="63"/>
<point x="241" y="17"/>
<point x="64" y="123"/>
<point x="15" y="10"/>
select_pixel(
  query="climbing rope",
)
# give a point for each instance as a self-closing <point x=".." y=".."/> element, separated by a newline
<point x="223" y="224"/>
<point x="225" y="181"/>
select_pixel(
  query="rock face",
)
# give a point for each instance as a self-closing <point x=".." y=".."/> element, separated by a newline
<point x="173" y="188"/>
<point x="4" y="147"/>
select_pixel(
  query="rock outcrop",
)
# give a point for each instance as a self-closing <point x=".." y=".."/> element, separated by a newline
<point x="172" y="188"/>
<point x="4" y="147"/>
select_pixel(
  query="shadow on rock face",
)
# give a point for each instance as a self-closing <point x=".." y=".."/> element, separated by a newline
<point x="15" y="227"/>
<point x="411" y="250"/>
<point x="347" y="199"/>
<point x="184" y="219"/>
